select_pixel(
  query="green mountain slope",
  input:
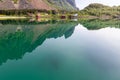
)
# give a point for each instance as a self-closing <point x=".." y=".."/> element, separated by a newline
<point x="101" y="11"/>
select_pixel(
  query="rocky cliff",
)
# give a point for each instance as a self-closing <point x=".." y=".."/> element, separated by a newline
<point x="63" y="4"/>
<point x="38" y="4"/>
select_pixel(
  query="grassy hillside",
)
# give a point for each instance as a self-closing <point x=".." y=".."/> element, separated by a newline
<point x="101" y="11"/>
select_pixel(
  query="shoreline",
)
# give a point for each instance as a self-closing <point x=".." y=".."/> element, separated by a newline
<point x="12" y="17"/>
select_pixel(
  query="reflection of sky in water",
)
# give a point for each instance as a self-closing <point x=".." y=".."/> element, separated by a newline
<point x="86" y="55"/>
<point x="103" y="45"/>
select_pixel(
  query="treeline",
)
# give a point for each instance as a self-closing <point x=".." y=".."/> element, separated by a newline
<point x="101" y="11"/>
<point x="95" y="24"/>
<point x="15" y="1"/>
<point x="25" y="12"/>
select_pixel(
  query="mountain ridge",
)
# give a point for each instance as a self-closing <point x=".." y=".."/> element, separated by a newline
<point x="67" y="5"/>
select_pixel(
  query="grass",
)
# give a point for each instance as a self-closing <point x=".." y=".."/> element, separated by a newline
<point x="2" y="17"/>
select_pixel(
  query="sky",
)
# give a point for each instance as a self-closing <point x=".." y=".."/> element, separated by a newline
<point x="83" y="3"/>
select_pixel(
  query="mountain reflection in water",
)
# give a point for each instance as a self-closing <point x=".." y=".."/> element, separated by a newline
<point x="19" y="37"/>
<point x="60" y="50"/>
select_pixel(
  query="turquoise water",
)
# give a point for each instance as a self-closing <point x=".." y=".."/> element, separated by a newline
<point x="58" y="51"/>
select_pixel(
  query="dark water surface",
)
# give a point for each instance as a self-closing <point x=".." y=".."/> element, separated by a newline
<point x="64" y="50"/>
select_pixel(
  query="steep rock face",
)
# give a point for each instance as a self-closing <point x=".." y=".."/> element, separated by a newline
<point x="6" y="5"/>
<point x="38" y="4"/>
<point x="24" y="4"/>
<point x="72" y="2"/>
<point x="63" y="4"/>
<point x="34" y="4"/>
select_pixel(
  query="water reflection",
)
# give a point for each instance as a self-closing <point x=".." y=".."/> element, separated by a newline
<point x="19" y="37"/>
<point x="95" y="24"/>
<point x="60" y="50"/>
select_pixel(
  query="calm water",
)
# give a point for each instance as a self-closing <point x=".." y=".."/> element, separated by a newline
<point x="83" y="50"/>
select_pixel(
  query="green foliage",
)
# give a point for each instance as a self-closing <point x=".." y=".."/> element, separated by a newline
<point x="15" y="1"/>
<point x="94" y="24"/>
<point x="100" y="10"/>
<point x="17" y="37"/>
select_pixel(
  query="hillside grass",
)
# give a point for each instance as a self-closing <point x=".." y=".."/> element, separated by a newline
<point x="101" y="11"/>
